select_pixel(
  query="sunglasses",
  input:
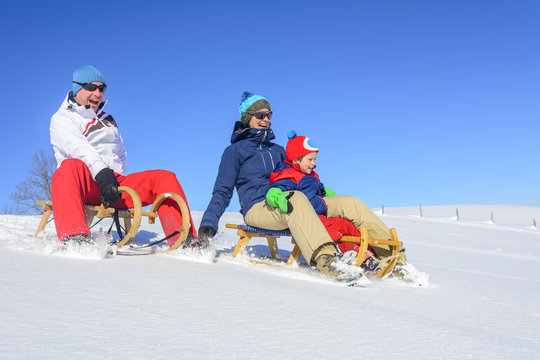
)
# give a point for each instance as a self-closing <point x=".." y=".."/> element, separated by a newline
<point x="261" y="114"/>
<point x="92" y="87"/>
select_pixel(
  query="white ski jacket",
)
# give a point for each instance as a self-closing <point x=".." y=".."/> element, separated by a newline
<point x="77" y="132"/>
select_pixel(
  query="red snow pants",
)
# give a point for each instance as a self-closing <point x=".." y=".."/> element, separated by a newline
<point x="337" y="227"/>
<point x="72" y="187"/>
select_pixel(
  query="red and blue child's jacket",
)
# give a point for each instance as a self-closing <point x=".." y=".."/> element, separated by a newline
<point x="287" y="176"/>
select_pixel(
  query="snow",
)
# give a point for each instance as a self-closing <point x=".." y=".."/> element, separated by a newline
<point x="479" y="296"/>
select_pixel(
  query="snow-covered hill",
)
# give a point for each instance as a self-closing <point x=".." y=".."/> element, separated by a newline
<point x="480" y="297"/>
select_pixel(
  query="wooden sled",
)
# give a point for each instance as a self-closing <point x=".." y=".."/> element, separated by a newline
<point x="247" y="232"/>
<point x="132" y="217"/>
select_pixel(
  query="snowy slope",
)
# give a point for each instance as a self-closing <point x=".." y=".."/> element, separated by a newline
<point x="481" y="301"/>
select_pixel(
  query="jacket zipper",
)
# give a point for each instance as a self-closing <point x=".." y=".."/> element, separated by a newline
<point x="271" y="159"/>
<point x="268" y="151"/>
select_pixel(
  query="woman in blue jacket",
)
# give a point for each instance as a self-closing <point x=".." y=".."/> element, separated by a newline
<point x="246" y="165"/>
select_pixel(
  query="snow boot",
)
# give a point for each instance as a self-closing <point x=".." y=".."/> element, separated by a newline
<point x="79" y="239"/>
<point x="190" y="242"/>
<point x="370" y="264"/>
<point x="348" y="257"/>
<point x="333" y="267"/>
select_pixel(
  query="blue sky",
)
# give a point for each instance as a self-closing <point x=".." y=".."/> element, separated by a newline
<point x="432" y="102"/>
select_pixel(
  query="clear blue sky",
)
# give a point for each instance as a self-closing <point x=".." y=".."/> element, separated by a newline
<point x="432" y="102"/>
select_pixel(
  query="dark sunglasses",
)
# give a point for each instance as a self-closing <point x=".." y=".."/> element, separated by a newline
<point x="261" y="114"/>
<point x="92" y="87"/>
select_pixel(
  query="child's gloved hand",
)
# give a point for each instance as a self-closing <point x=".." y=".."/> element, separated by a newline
<point x="329" y="192"/>
<point x="277" y="198"/>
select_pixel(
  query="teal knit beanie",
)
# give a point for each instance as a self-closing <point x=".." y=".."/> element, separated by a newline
<point x="86" y="74"/>
<point x="251" y="102"/>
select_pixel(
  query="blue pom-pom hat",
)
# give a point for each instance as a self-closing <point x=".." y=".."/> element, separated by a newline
<point x="247" y="100"/>
<point x="251" y="102"/>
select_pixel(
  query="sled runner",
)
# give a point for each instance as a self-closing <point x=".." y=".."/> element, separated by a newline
<point x="247" y="232"/>
<point x="132" y="217"/>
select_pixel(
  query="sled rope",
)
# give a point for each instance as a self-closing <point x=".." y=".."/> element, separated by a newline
<point x="97" y="222"/>
<point x="119" y="227"/>
<point x="110" y="227"/>
<point x="176" y="232"/>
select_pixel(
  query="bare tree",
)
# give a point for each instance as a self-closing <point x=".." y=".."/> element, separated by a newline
<point x="37" y="186"/>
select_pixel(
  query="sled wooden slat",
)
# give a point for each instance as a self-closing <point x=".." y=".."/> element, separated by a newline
<point x="393" y="262"/>
<point x="245" y="237"/>
<point x="132" y="217"/>
<point x="257" y="262"/>
<point x="47" y="210"/>
<point x="358" y="240"/>
<point x="137" y="215"/>
<point x="122" y="214"/>
<point x="295" y="254"/>
<point x="183" y="210"/>
<point x="364" y="241"/>
<point x="362" y="250"/>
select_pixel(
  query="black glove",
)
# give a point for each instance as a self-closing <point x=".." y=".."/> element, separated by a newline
<point x="108" y="187"/>
<point x="205" y="234"/>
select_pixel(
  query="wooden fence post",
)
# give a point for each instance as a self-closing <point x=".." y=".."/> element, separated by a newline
<point x="382" y="209"/>
<point x="457" y="214"/>
<point x="421" y="211"/>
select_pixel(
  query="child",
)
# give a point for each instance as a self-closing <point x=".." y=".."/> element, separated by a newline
<point x="296" y="173"/>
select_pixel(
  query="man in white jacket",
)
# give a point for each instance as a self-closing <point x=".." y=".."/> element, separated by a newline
<point x="92" y="163"/>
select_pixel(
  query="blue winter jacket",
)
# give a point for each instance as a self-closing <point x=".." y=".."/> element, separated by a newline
<point x="246" y="165"/>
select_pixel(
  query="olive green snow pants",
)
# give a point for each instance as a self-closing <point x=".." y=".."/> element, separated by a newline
<point x="306" y="227"/>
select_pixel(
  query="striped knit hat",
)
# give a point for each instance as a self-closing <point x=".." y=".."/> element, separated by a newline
<point x="251" y="102"/>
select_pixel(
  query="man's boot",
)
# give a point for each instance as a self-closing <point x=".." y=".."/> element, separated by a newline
<point x="333" y="267"/>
